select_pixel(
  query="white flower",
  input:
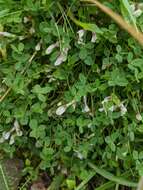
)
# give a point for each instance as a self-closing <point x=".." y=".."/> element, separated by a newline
<point x="101" y="109"/>
<point x="17" y="128"/>
<point x="16" y="124"/>
<point x="123" y="109"/>
<point x="94" y="37"/>
<point x="62" y="57"/>
<point x="138" y="117"/>
<point x="6" y="135"/>
<point x="60" y="60"/>
<point x="80" y="36"/>
<point x="61" y="110"/>
<point x="59" y="104"/>
<point x="21" y="38"/>
<point x="86" y="108"/>
<point x="51" y="80"/>
<point x="136" y="11"/>
<point x="38" y="46"/>
<point x="51" y="48"/>
<point x="26" y="19"/>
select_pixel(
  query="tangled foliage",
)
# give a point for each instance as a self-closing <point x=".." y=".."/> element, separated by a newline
<point x="71" y="84"/>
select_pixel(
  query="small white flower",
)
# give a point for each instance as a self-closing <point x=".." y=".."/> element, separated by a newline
<point x="51" y="80"/>
<point x="101" y="109"/>
<point x="6" y="135"/>
<point x="123" y="109"/>
<point x="12" y="140"/>
<point x="25" y="19"/>
<point x="138" y="117"/>
<point x="86" y="108"/>
<point x="62" y="58"/>
<point x="94" y="37"/>
<point x="16" y="124"/>
<point x="59" y="104"/>
<point x="51" y="48"/>
<point x="38" y="46"/>
<point x="21" y="38"/>
<point x="61" y="110"/>
<point x="80" y="36"/>
<point x="17" y="128"/>
<point x="136" y="12"/>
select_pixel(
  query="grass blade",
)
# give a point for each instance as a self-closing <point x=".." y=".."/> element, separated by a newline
<point x="110" y="184"/>
<point x="111" y="177"/>
<point x="106" y="186"/>
<point x="83" y="183"/>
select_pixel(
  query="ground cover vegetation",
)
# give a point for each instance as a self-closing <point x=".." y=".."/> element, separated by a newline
<point x="71" y="81"/>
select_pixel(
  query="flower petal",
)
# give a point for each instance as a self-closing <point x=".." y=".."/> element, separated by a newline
<point x="51" y="48"/>
<point x="61" y="110"/>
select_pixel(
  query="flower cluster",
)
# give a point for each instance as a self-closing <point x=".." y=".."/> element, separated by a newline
<point x="11" y="134"/>
<point x="109" y="105"/>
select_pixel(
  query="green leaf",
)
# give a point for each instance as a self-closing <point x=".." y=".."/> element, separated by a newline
<point x="71" y="183"/>
<point x="33" y="123"/>
<point x="137" y="63"/>
<point x="118" y="78"/>
<point x="38" y="132"/>
<point x="83" y="54"/>
<point x="135" y="155"/>
<point x="12" y="17"/>
<point x="89" y="60"/>
<point x="41" y="90"/>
